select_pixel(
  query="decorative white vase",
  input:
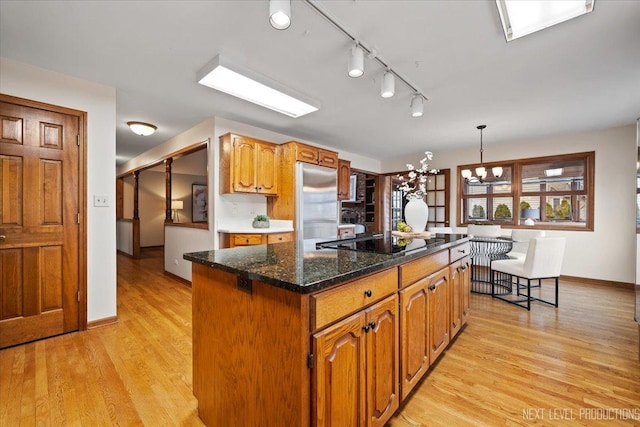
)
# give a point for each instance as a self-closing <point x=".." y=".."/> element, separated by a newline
<point x="416" y="214"/>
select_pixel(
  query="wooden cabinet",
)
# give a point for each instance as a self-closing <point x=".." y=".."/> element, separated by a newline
<point x="424" y="327"/>
<point x="460" y="287"/>
<point x="247" y="165"/>
<point x="231" y="240"/>
<point x="355" y="379"/>
<point x="317" y="156"/>
<point x="344" y="180"/>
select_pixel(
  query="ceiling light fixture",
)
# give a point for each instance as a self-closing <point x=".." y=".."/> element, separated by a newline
<point x="228" y="77"/>
<point x="280" y="14"/>
<point x="141" y="128"/>
<point x="371" y="54"/>
<point x="481" y="171"/>
<point x="553" y="172"/>
<point x="417" y="106"/>
<point x="356" y="61"/>
<point x="520" y="18"/>
<point x="388" y="88"/>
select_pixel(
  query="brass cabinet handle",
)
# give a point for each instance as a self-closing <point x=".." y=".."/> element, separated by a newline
<point x="2" y="237"/>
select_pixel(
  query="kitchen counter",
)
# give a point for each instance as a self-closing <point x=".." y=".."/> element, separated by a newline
<point x="300" y="267"/>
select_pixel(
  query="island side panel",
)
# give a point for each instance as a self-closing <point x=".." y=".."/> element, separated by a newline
<point x="249" y="352"/>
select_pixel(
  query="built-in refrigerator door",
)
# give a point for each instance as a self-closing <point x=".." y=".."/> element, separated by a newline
<point x="316" y="201"/>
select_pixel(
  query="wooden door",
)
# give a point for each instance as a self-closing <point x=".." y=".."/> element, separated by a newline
<point x="338" y="386"/>
<point x="437" y="198"/>
<point x="414" y="334"/>
<point x="244" y="165"/>
<point x="266" y="169"/>
<point x="39" y="211"/>
<point x="383" y="365"/>
<point x="438" y="313"/>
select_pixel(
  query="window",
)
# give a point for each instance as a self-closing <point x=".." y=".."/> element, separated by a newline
<point x="545" y="192"/>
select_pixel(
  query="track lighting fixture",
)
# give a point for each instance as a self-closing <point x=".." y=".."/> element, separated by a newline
<point x="417" y="107"/>
<point x="280" y="14"/>
<point x="356" y="61"/>
<point x="388" y="85"/>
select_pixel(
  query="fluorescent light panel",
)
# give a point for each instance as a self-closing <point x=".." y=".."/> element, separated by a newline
<point x="230" y="78"/>
<point x="520" y="18"/>
<point x="553" y="172"/>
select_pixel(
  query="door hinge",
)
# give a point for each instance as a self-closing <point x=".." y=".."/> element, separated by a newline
<point x="78" y="140"/>
<point x="78" y="218"/>
<point x="310" y="360"/>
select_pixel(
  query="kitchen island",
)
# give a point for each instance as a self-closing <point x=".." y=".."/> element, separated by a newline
<point x="288" y="334"/>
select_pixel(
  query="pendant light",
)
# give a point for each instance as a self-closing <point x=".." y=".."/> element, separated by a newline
<point x="388" y="88"/>
<point x="356" y="61"/>
<point x="280" y="14"/>
<point x="481" y="171"/>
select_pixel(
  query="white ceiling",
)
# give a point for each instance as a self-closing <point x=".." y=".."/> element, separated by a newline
<point x="577" y="76"/>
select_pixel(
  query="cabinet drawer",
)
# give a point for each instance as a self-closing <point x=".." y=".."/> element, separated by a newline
<point x="279" y="237"/>
<point x="307" y="154"/>
<point x="460" y="251"/>
<point x="343" y="231"/>
<point x="331" y="305"/>
<point x="328" y="159"/>
<point x="247" y="239"/>
<point x="420" y="268"/>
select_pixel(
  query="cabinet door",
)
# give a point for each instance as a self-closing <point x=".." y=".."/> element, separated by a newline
<point x="266" y="169"/>
<point x="327" y="158"/>
<point x="455" y="296"/>
<point x="438" y="313"/>
<point x="344" y="179"/>
<point x="414" y="333"/>
<point x="465" y="290"/>
<point x="244" y="165"/>
<point x="280" y="237"/>
<point x="338" y="381"/>
<point x="307" y="154"/>
<point x="383" y="366"/>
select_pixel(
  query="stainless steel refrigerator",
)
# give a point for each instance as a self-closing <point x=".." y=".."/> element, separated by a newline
<point x="316" y="201"/>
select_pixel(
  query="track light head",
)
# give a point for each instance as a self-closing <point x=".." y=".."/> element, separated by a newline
<point x="417" y="106"/>
<point x="356" y="61"/>
<point x="280" y="14"/>
<point x="388" y="88"/>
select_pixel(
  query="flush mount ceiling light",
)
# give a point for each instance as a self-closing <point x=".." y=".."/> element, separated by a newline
<point x="417" y="106"/>
<point x="141" y="128"/>
<point x="356" y="61"/>
<point x="280" y="14"/>
<point x="520" y="18"/>
<point x="388" y="88"/>
<point x="228" y="77"/>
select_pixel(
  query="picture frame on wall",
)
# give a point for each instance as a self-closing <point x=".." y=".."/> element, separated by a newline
<point x="199" y="203"/>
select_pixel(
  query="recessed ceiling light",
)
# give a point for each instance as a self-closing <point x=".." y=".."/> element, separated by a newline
<point x="141" y="128"/>
<point x="520" y="18"/>
<point x="223" y="75"/>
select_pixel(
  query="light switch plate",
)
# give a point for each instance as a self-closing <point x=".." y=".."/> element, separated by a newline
<point x="100" y="201"/>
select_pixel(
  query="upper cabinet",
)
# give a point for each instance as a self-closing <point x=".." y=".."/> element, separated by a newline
<point x="247" y="165"/>
<point x="317" y="156"/>
<point x="344" y="179"/>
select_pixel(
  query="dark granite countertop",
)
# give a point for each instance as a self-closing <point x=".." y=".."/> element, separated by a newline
<point x="300" y="267"/>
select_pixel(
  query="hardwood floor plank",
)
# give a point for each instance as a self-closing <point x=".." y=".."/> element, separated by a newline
<point x="508" y="367"/>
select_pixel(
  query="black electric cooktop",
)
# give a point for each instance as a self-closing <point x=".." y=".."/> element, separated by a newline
<point x="381" y="243"/>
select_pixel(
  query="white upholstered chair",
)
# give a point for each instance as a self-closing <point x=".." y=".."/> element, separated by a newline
<point x="484" y="230"/>
<point x="543" y="260"/>
<point x="441" y="230"/>
<point x="521" y="239"/>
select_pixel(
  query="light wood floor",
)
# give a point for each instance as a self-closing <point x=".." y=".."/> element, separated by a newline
<point x="507" y="367"/>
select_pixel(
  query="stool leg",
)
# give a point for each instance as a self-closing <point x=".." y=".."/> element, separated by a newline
<point x="529" y="294"/>
<point x="556" y="292"/>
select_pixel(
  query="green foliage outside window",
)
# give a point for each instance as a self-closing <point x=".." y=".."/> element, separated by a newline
<point x="477" y="211"/>
<point x="502" y="211"/>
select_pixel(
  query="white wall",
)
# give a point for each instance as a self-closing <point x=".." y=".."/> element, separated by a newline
<point x="151" y="208"/>
<point x="26" y="81"/>
<point x="608" y="252"/>
<point x="124" y="236"/>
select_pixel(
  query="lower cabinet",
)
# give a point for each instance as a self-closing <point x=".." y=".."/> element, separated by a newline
<point x="425" y="326"/>
<point x="231" y="240"/>
<point x="460" y="288"/>
<point x="355" y="379"/>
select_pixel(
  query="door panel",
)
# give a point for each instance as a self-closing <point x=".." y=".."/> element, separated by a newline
<point x="39" y="267"/>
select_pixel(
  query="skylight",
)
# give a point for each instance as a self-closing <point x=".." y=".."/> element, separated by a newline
<point x="522" y="17"/>
<point x="227" y="77"/>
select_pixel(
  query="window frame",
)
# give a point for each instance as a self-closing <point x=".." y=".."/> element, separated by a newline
<point x="516" y="190"/>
